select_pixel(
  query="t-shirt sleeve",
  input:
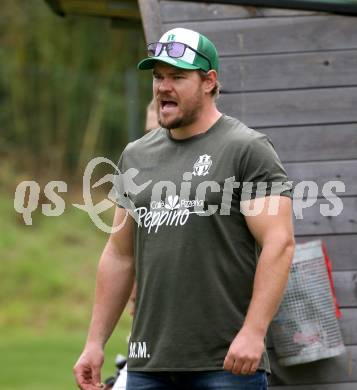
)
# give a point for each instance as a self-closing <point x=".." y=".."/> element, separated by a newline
<point x="261" y="172"/>
<point x="119" y="182"/>
<point x="119" y="190"/>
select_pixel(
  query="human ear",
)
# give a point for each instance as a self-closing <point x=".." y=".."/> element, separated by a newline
<point x="210" y="81"/>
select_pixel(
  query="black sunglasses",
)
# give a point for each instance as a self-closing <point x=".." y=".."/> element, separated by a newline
<point x="173" y="50"/>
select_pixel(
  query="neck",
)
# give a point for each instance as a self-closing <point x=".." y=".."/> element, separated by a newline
<point x="203" y="123"/>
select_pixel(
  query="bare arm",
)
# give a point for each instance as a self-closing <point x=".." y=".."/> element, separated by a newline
<point x="274" y="234"/>
<point x="115" y="277"/>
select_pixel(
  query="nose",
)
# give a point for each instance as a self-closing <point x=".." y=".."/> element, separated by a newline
<point x="164" y="85"/>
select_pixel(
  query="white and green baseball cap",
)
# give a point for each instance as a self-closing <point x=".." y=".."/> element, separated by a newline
<point x="182" y="48"/>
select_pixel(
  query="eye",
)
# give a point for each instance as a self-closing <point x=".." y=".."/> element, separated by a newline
<point x="178" y="77"/>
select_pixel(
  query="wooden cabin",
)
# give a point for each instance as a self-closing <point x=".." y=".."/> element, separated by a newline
<point x="292" y="74"/>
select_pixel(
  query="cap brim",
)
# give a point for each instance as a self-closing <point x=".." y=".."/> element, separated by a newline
<point x="149" y="63"/>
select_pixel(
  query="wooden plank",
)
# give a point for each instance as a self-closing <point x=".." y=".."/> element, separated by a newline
<point x="346" y="288"/>
<point x="341" y="249"/>
<point x="298" y="107"/>
<point x="288" y="71"/>
<point x="175" y="11"/>
<point x="314" y="223"/>
<point x="347" y="324"/>
<point x="150" y="15"/>
<point x="329" y="386"/>
<point x="278" y="35"/>
<point x="309" y="143"/>
<point x="340" y="369"/>
<point x="323" y="172"/>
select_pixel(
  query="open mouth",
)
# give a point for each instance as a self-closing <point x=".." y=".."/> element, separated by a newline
<point x="167" y="104"/>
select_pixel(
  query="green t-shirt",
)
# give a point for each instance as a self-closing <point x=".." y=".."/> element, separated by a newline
<point x="194" y="271"/>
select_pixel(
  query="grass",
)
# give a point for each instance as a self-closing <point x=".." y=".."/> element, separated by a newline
<point x="47" y="273"/>
<point x="44" y="361"/>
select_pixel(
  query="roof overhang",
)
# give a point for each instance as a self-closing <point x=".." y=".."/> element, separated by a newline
<point x="339" y="6"/>
<point x="129" y="11"/>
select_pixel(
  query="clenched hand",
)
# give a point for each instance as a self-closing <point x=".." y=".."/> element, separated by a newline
<point x="244" y="353"/>
<point x="87" y="369"/>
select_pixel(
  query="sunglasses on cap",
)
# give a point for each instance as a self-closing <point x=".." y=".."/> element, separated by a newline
<point x="173" y="50"/>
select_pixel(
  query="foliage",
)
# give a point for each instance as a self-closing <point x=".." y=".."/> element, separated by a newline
<point x="64" y="98"/>
<point x="62" y="88"/>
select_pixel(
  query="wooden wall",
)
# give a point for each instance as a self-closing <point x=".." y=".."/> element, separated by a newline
<point x="293" y="75"/>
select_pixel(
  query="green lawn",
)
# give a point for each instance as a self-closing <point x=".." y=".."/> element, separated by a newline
<point x="39" y="362"/>
<point x="47" y="273"/>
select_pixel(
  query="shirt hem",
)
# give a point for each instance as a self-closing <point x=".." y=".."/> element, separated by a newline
<point x="182" y="369"/>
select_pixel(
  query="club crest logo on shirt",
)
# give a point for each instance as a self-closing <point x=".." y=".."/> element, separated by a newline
<point x="202" y="165"/>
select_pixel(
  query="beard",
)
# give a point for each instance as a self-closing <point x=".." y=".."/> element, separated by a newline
<point x="180" y="121"/>
<point x="189" y="114"/>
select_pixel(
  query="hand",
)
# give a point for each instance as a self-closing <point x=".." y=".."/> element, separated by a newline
<point x="87" y="369"/>
<point x="245" y="352"/>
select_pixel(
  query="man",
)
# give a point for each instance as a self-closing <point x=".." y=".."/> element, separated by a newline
<point x="151" y="117"/>
<point x="209" y="239"/>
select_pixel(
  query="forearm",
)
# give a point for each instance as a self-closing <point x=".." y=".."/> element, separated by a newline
<point x="114" y="282"/>
<point x="270" y="281"/>
<point x="274" y="233"/>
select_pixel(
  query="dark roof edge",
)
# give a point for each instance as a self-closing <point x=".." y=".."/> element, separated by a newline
<point x="55" y="6"/>
<point x="342" y="7"/>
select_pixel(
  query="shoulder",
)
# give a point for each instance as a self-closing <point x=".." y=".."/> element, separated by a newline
<point x="143" y="143"/>
<point x="240" y="135"/>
